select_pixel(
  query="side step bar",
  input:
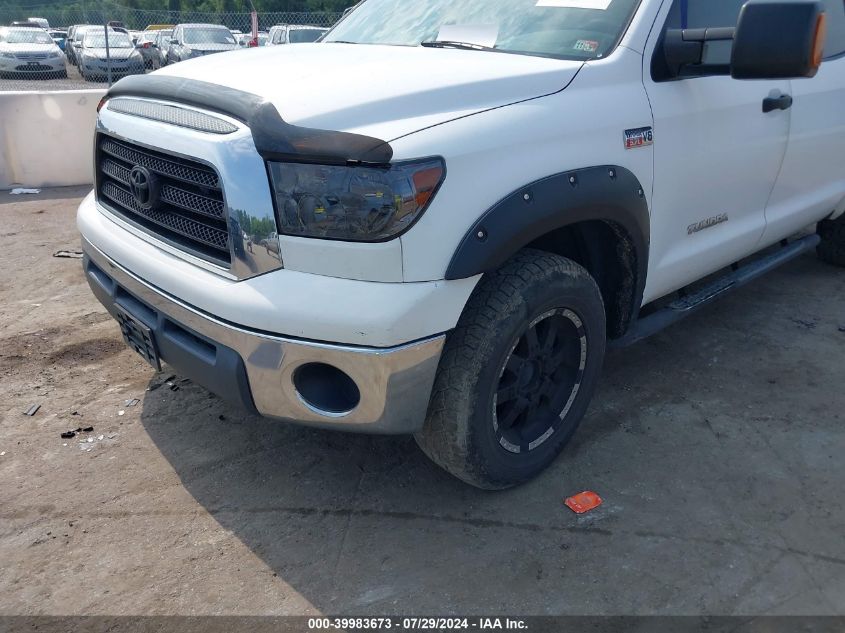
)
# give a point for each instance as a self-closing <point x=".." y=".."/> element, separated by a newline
<point x="738" y="277"/>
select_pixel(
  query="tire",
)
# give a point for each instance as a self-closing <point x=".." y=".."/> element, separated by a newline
<point x="479" y="426"/>
<point x="832" y="247"/>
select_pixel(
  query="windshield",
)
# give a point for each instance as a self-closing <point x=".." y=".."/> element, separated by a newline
<point x="208" y="36"/>
<point x="98" y="40"/>
<point x="301" y="36"/>
<point x="28" y="36"/>
<point x="566" y="29"/>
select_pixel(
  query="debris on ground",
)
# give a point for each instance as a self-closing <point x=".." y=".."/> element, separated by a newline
<point x="32" y="410"/>
<point x="842" y="328"/>
<point x="72" y="433"/>
<point x="2" y="453"/>
<point x="583" y="502"/>
<point x="131" y="403"/>
<point x="100" y="438"/>
<point x="23" y="190"/>
<point x="68" y="254"/>
<point x="167" y="381"/>
<point x="121" y="412"/>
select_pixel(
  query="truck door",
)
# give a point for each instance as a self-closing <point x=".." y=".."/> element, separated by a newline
<point x="812" y="179"/>
<point x="716" y="153"/>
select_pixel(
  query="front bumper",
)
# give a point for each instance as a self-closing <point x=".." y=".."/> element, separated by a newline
<point x="256" y="369"/>
<point x="23" y="67"/>
<point x="118" y="67"/>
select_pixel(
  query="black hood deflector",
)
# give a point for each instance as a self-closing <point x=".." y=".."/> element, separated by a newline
<point x="274" y="138"/>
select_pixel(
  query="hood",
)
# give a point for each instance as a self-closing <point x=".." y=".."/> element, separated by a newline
<point x="114" y="53"/>
<point x="28" y="48"/>
<point x="203" y="47"/>
<point x="380" y="91"/>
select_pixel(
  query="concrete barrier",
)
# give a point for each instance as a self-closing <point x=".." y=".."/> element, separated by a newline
<point x="47" y="138"/>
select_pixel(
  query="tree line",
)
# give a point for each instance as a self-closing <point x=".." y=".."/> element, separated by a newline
<point x="135" y="12"/>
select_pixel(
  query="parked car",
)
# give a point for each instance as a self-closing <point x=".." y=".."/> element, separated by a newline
<point x="44" y="24"/>
<point x="160" y="48"/>
<point x="120" y="58"/>
<point x="294" y="34"/>
<point x="244" y="39"/>
<point x="197" y="40"/>
<point x="59" y="37"/>
<point x="146" y="45"/>
<point x="74" y="40"/>
<point x="459" y="245"/>
<point x="29" y="53"/>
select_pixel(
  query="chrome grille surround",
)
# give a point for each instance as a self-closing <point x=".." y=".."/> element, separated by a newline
<point x="213" y="174"/>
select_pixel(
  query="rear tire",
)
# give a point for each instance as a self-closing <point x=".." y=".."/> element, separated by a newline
<point x="517" y="373"/>
<point x="832" y="247"/>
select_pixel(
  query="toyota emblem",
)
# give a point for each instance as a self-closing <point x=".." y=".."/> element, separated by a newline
<point x="144" y="187"/>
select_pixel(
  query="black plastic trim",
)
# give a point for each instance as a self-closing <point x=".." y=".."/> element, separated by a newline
<point x="549" y="204"/>
<point x="274" y="138"/>
<point x="216" y="367"/>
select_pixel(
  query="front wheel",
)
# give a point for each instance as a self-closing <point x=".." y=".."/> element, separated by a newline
<point x="517" y="373"/>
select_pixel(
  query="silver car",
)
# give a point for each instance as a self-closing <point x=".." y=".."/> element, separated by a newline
<point x="120" y="58"/>
<point x="29" y="53"/>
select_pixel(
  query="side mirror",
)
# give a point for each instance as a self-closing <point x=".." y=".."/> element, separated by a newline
<point x="774" y="39"/>
<point x="779" y="40"/>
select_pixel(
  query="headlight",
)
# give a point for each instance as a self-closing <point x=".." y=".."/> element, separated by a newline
<point x="8" y="55"/>
<point x="359" y="204"/>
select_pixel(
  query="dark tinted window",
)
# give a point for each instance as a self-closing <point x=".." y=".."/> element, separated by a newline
<point x="699" y="14"/>
<point x="696" y="14"/>
<point x="835" y="28"/>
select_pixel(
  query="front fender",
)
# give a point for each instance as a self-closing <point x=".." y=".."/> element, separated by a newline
<point x="609" y="193"/>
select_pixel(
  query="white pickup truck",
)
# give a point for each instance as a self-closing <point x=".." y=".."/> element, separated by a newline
<point x="435" y="220"/>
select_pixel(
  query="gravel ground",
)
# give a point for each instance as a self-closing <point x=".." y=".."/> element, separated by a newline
<point x="717" y="446"/>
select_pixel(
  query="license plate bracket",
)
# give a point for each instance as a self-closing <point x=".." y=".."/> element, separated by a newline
<point x="139" y="337"/>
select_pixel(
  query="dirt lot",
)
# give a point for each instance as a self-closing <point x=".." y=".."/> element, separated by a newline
<point x="717" y="446"/>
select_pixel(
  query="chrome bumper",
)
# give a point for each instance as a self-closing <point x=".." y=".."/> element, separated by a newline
<point x="394" y="384"/>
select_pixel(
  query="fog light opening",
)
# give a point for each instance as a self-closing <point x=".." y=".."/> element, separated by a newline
<point x="326" y="389"/>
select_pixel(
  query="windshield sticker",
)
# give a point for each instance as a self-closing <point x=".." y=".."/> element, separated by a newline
<point x="480" y="34"/>
<point x="587" y="46"/>
<point x="598" y="5"/>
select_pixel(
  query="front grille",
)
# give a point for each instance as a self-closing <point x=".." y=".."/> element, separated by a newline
<point x="31" y="55"/>
<point x="190" y="211"/>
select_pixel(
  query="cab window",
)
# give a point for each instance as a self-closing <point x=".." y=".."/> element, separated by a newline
<point x="835" y="28"/>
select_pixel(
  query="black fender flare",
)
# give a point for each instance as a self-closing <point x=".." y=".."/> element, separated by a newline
<point x="608" y="193"/>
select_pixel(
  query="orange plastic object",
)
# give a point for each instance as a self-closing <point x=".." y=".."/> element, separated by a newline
<point x="583" y="502"/>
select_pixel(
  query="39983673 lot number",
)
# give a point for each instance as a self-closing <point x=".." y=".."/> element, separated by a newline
<point x="413" y="624"/>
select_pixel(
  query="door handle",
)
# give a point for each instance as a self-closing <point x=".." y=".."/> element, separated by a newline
<point x="783" y="102"/>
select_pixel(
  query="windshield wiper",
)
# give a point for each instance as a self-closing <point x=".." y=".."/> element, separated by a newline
<point x="469" y="46"/>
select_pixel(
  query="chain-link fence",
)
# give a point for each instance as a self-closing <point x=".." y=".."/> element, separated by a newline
<point x="95" y="43"/>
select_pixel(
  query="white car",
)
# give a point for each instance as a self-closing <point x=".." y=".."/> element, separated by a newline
<point x="460" y="240"/>
<point x="30" y="53"/>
